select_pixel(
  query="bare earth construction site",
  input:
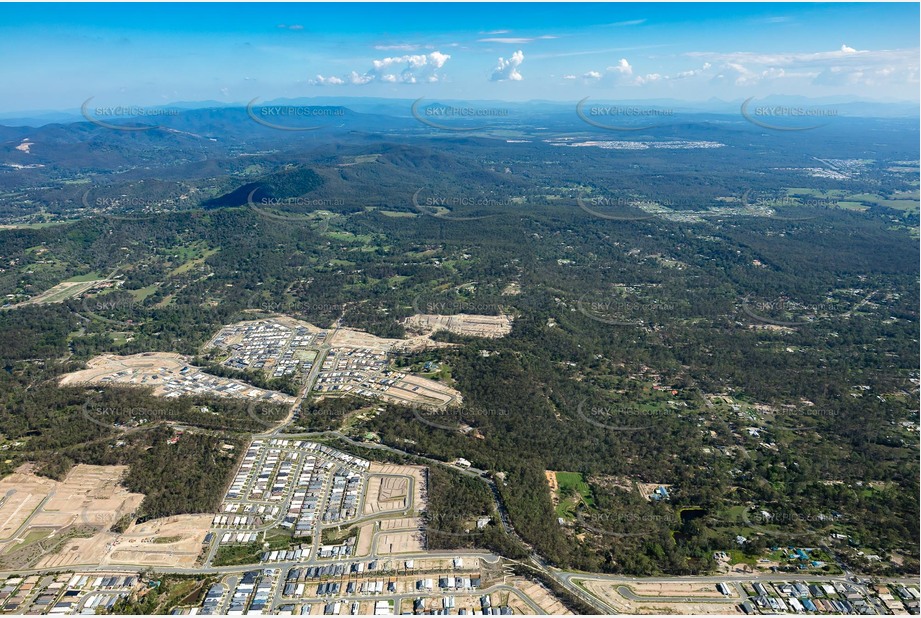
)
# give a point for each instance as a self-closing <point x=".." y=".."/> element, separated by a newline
<point x="339" y="361"/>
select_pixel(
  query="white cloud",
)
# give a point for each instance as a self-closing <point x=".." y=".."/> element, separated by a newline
<point x="649" y="77"/>
<point x="507" y="70"/>
<point x="406" y="69"/>
<point x="622" y="73"/>
<point x="692" y="72"/>
<point x="622" y="68"/>
<point x="357" y="79"/>
<point x="845" y="66"/>
<point x="569" y="77"/>
<point x="328" y="81"/>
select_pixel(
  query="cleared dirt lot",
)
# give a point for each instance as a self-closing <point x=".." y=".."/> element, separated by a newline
<point x="422" y="391"/>
<point x="379" y="473"/>
<point x="609" y="592"/>
<point x="20" y="493"/>
<point x="690" y="589"/>
<point x="61" y="292"/>
<point x="92" y="495"/>
<point x="537" y="593"/>
<point x="40" y="516"/>
<point x="401" y="523"/>
<point x="365" y="537"/>
<point x="88" y="495"/>
<point x="348" y="337"/>
<point x="400" y="542"/>
<point x="386" y="493"/>
<point x="167" y="374"/>
<point x="108" y="364"/>
<point x="171" y="541"/>
<point x="490" y="326"/>
<point x="49" y="523"/>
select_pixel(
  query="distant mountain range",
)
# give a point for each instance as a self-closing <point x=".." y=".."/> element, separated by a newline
<point x="397" y="108"/>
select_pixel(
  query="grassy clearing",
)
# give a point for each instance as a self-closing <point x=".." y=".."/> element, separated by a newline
<point x="574" y="490"/>
<point x="141" y="293"/>
<point x="93" y="276"/>
<point x="192" y="263"/>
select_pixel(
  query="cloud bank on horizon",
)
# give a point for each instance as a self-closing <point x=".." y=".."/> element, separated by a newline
<point x="533" y="51"/>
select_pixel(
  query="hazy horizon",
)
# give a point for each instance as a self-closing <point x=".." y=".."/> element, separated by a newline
<point x="533" y="52"/>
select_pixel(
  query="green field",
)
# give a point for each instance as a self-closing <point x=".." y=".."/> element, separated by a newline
<point x="93" y="276"/>
<point x="193" y="262"/>
<point x="905" y="200"/>
<point x="573" y="492"/>
<point x="142" y="293"/>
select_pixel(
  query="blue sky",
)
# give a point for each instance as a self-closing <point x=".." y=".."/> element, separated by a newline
<point x="56" y="56"/>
